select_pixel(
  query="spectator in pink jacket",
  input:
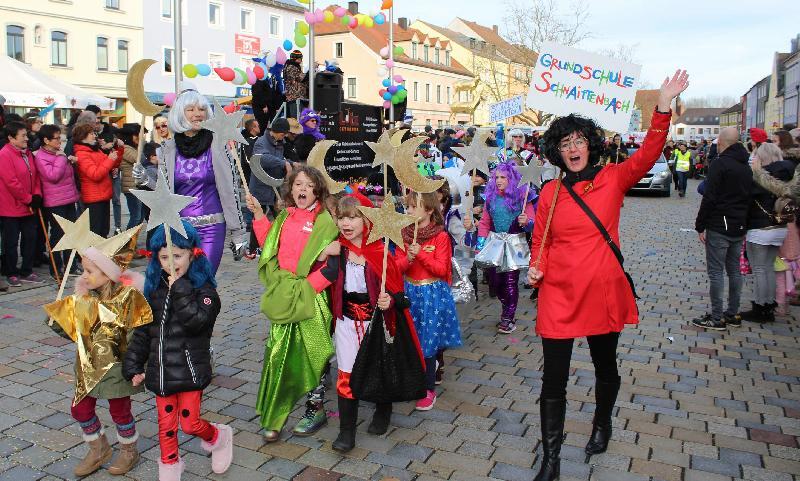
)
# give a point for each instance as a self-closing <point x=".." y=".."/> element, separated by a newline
<point x="20" y="196"/>
<point x="58" y="188"/>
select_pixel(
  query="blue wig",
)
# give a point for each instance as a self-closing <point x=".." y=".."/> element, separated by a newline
<point x="512" y="195"/>
<point x="200" y="270"/>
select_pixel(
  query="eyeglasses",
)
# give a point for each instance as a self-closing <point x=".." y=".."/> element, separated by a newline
<point x="579" y="143"/>
<point x="163" y="126"/>
<point x="311" y="120"/>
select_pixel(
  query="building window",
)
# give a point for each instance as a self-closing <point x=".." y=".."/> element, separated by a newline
<point x="351" y="88"/>
<point x="274" y="25"/>
<point x="414" y="50"/>
<point x="427" y="92"/>
<point x="122" y="55"/>
<point x="447" y="57"/>
<point x="448" y="95"/>
<point x="436" y="56"/>
<point x="112" y="4"/>
<point x="440" y="123"/>
<point x="339" y="50"/>
<point x="246" y="20"/>
<point x="15" y="42"/>
<point x="416" y="91"/>
<point x="214" y="14"/>
<point x="169" y="59"/>
<point x="438" y="94"/>
<point x="102" y="53"/>
<point x="58" y="49"/>
<point x="426" y="50"/>
<point x="166" y="8"/>
<point x="680" y="130"/>
<point x="716" y="130"/>
<point x="37" y="35"/>
<point x="216" y="60"/>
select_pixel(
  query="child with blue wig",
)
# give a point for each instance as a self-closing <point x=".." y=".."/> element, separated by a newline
<point x="172" y="355"/>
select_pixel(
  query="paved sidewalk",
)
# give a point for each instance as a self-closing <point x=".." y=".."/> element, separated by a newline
<point x="694" y="405"/>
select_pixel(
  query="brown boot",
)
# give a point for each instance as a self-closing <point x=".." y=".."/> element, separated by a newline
<point x="99" y="453"/>
<point x="126" y="459"/>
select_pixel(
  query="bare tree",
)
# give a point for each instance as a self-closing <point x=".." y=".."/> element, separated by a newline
<point x="622" y="51"/>
<point x="711" y="101"/>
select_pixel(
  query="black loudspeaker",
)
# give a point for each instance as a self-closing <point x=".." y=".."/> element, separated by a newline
<point x="328" y="92"/>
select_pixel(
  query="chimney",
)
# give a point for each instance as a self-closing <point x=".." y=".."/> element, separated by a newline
<point x="353" y="8"/>
<point x="495" y="29"/>
<point x="403" y="22"/>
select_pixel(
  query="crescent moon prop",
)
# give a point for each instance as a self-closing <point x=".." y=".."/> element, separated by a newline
<point x="134" y="84"/>
<point x="405" y="168"/>
<point x="261" y="174"/>
<point x="316" y="159"/>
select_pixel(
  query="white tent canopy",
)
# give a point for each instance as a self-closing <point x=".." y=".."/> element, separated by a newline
<point x="23" y="85"/>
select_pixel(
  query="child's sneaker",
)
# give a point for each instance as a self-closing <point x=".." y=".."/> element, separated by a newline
<point x="426" y="403"/>
<point x="506" y="326"/>
<point x="33" y="278"/>
<point x="13" y="281"/>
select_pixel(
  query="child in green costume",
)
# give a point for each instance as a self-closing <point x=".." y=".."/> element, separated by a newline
<point x="298" y="262"/>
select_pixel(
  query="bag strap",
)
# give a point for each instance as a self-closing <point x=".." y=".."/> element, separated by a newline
<point x="613" y="245"/>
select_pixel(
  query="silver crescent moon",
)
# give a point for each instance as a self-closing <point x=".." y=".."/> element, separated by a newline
<point x="261" y="174"/>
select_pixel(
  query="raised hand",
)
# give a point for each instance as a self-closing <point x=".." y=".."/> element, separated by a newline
<point x="671" y="88"/>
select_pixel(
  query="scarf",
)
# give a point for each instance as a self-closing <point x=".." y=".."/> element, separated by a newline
<point x="193" y="147"/>
<point x="424" y="234"/>
<point x="95" y="146"/>
<point x="588" y="173"/>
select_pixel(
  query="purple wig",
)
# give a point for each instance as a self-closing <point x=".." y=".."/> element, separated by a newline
<point x="306" y="115"/>
<point x="513" y="194"/>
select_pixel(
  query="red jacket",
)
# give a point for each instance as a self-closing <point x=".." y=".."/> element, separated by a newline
<point x="434" y="260"/>
<point x="94" y="168"/>
<point x="584" y="291"/>
<point x="18" y="182"/>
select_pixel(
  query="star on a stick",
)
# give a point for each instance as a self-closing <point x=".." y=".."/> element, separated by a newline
<point x="387" y="222"/>
<point x="531" y="173"/>
<point x="165" y="207"/>
<point x="226" y="126"/>
<point x="383" y="148"/>
<point x="77" y="235"/>
<point x="477" y="155"/>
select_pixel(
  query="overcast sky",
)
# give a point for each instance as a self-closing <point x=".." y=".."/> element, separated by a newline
<point x="727" y="45"/>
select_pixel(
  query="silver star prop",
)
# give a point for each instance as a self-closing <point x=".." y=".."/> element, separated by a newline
<point x="165" y="207"/>
<point x="477" y="155"/>
<point x="225" y="126"/>
<point x="531" y="173"/>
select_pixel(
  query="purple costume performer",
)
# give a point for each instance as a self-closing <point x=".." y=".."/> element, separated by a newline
<point x="500" y="215"/>
<point x="195" y="177"/>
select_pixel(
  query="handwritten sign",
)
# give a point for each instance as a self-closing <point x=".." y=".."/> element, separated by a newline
<point x="568" y="80"/>
<point x="506" y="108"/>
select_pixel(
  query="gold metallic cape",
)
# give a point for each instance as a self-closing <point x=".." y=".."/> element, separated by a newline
<point x="100" y="328"/>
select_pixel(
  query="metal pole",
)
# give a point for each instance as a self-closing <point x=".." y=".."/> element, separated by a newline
<point x="177" y="63"/>
<point x="391" y="57"/>
<point x="311" y="60"/>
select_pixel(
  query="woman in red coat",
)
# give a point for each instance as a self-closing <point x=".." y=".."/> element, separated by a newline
<point x="583" y="290"/>
<point x="94" y="167"/>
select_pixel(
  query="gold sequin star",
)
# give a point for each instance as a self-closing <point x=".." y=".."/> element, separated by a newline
<point x="77" y="235"/>
<point x="387" y="222"/>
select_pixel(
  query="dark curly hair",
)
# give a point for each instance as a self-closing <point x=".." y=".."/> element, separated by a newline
<point x="320" y="186"/>
<point x="563" y="127"/>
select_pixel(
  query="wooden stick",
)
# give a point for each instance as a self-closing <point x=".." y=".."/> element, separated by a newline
<point x="235" y="154"/>
<point x="416" y="224"/>
<point x="472" y="193"/>
<point x="140" y="146"/>
<point x="549" y="219"/>
<point x="385" y="260"/>
<point x="49" y="249"/>
<point x="168" y="233"/>
<point x="66" y="275"/>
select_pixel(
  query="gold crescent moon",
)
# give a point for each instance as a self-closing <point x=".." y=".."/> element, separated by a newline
<point x="134" y="84"/>
<point x="405" y="168"/>
<point x="316" y="159"/>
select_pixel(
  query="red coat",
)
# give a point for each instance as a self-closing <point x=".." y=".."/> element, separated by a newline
<point x="18" y="182"/>
<point x="94" y="168"/>
<point x="434" y="260"/>
<point x="584" y="291"/>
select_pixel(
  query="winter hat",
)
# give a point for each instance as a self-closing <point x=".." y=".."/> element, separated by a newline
<point x="294" y="126"/>
<point x="280" y="126"/>
<point x="296" y="55"/>
<point x="408" y="119"/>
<point x="114" y="255"/>
<point x="758" y="135"/>
<point x="309" y="114"/>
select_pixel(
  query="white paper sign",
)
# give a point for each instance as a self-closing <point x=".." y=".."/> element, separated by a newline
<point x="506" y="109"/>
<point x="568" y="80"/>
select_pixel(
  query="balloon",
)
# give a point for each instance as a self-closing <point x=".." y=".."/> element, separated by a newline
<point x="203" y="69"/>
<point x="386" y="82"/>
<point x="387" y="104"/>
<point x="310" y="18"/>
<point x="230" y="108"/>
<point x="327" y="16"/>
<point x="287" y="45"/>
<point x="384" y="52"/>
<point x="402" y="94"/>
<point x="319" y="16"/>
<point x="346" y="20"/>
<point x="360" y="19"/>
<point x="400" y="87"/>
<point x="368" y="22"/>
<point x="398" y="51"/>
<point x="353" y="23"/>
<point x="382" y="71"/>
<point x="381" y="92"/>
<point x="303" y="28"/>
<point x="241" y="76"/>
<point x="300" y="41"/>
<point x="270" y="60"/>
<point x="387" y="4"/>
<point x="380" y="19"/>
<point x="169" y="98"/>
<point x="387" y="96"/>
<point x="225" y="73"/>
<point x="305" y="2"/>
<point x="393" y="89"/>
<point x="340" y="12"/>
<point x="251" y="76"/>
<point x="399" y="78"/>
<point x="396" y="100"/>
<point x="389" y="63"/>
<point x="280" y="57"/>
<point x="260" y="72"/>
<point x="190" y="70"/>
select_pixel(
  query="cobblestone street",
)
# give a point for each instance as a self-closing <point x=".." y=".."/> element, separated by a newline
<point x="694" y="405"/>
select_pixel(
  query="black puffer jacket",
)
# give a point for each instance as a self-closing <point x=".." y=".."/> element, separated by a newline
<point x="763" y="200"/>
<point x="727" y="198"/>
<point x="175" y="346"/>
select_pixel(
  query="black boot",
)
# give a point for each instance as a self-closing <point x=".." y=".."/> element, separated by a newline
<point x="605" y="395"/>
<point x="768" y="313"/>
<point x="348" y="415"/>
<point x="754" y="314"/>
<point x="381" y="418"/>
<point x="552" y="413"/>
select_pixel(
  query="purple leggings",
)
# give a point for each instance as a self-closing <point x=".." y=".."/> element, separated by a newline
<point x="506" y="285"/>
<point x="212" y="241"/>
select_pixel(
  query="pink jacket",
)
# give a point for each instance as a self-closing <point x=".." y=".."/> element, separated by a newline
<point x="18" y="182"/>
<point x="58" y="179"/>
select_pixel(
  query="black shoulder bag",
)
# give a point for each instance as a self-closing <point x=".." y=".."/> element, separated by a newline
<point x="604" y="233"/>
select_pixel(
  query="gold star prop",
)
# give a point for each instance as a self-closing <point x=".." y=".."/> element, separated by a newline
<point x="386" y="222"/>
<point x="226" y="126"/>
<point x="165" y="207"/>
<point x="477" y="154"/>
<point x="383" y="148"/>
<point x="77" y="236"/>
